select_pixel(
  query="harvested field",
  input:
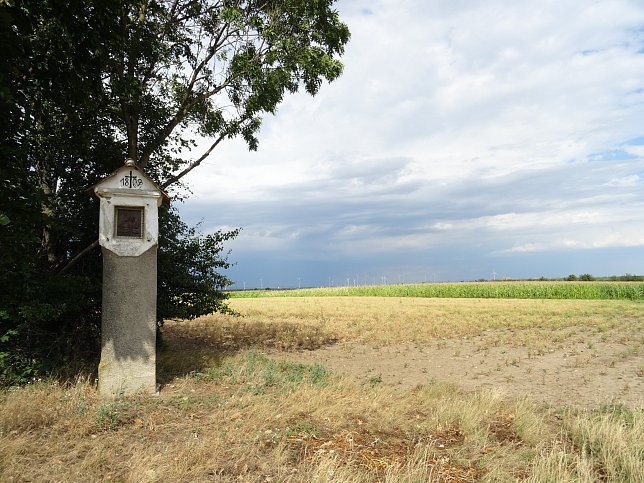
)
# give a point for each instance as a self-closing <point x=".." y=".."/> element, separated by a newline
<point x="557" y="352"/>
<point x="356" y="390"/>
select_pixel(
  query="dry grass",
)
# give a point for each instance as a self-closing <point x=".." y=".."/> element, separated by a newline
<point x="229" y="413"/>
<point x="309" y="322"/>
<point x="256" y="419"/>
<point x="603" y="445"/>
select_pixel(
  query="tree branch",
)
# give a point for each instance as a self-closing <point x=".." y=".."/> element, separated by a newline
<point x="75" y="260"/>
<point x="192" y="165"/>
<point x="189" y="99"/>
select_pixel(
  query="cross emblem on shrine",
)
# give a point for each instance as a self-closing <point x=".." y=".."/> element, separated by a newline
<point x="131" y="181"/>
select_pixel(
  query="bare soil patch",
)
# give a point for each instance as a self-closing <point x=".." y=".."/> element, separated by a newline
<point x="580" y="374"/>
<point x="585" y="371"/>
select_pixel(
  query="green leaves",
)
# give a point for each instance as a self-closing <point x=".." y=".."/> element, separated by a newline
<point x="190" y="284"/>
<point x="235" y="17"/>
<point x="8" y="335"/>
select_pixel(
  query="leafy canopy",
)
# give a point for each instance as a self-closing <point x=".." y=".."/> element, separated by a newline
<point x="213" y="68"/>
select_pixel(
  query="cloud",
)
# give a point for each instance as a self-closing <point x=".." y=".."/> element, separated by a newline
<point x="635" y="150"/>
<point x="486" y="128"/>
<point x="626" y="181"/>
<point x="630" y="238"/>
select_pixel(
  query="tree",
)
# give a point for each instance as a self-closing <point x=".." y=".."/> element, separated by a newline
<point x="190" y="284"/>
<point x="186" y="67"/>
<point x="55" y="125"/>
<point x="84" y="82"/>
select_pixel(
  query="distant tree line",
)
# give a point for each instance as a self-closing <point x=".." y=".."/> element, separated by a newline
<point x="586" y="277"/>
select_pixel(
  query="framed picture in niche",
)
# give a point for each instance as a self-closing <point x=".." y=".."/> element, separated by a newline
<point x="129" y="221"/>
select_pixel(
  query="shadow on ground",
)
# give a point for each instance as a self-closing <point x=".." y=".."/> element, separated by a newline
<point x="187" y="347"/>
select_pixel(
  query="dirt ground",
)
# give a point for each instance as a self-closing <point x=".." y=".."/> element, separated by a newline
<point x="580" y="374"/>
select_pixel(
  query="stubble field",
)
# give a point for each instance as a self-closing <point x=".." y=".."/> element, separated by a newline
<point x="559" y="352"/>
<point x="358" y="389"/>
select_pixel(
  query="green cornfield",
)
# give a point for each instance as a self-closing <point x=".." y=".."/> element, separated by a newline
<point x="483" y="290"/>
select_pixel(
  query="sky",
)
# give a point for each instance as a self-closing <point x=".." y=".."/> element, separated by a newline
<point x="464" y="140"/>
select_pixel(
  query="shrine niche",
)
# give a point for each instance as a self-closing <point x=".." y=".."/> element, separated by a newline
<point x="128" y="219"/>
<point x="129" y="222"/>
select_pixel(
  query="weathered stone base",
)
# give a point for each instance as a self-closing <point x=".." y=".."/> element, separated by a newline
<point x="128" y="329"/>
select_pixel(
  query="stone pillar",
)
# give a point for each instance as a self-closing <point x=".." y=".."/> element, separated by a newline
<point x="128" y="329"/>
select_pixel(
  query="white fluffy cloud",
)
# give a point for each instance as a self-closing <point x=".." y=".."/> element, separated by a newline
<point x="515" y="123"/>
